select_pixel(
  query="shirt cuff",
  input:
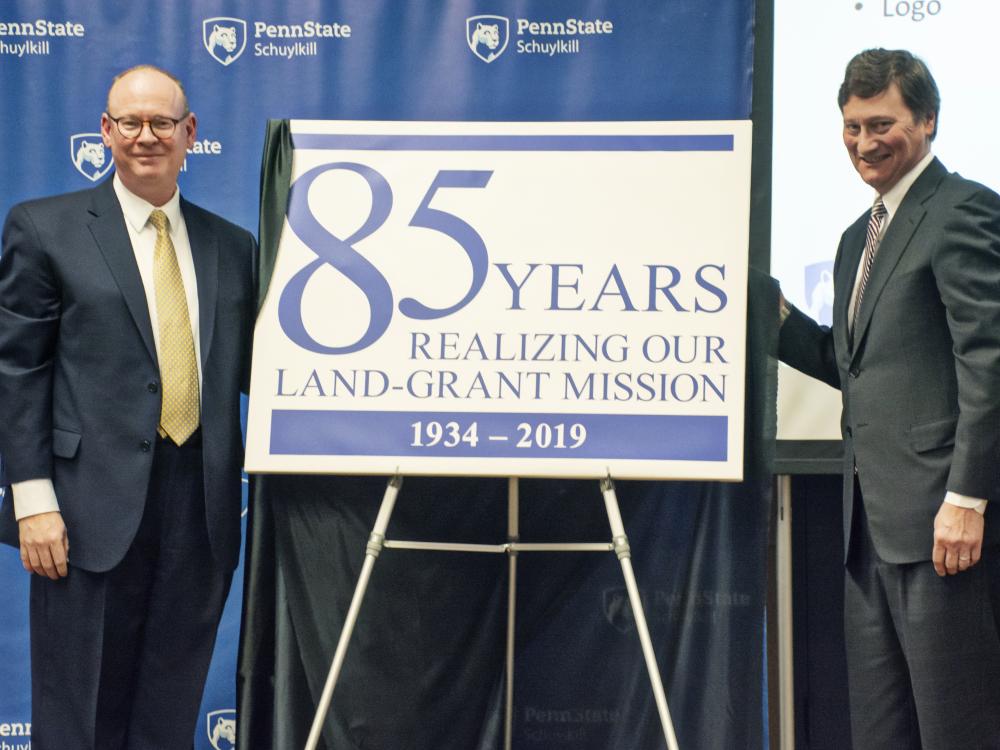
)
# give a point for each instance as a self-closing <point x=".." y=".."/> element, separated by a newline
<point x="783" y="310"/>
<point x="964" y="501"/>
<point x="33" y="496"/>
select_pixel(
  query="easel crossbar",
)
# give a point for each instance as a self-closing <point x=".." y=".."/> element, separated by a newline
<point x="502" y="548"/>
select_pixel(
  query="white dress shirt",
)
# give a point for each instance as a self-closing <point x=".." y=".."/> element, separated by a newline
<point x="35" y="496"/>
<point x="891" y="200"/>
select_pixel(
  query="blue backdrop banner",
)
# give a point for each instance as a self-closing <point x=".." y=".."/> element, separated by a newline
<point x="243" y="63"/>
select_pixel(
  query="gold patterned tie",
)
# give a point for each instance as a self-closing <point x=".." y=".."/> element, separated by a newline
<point x="178" y="369"/>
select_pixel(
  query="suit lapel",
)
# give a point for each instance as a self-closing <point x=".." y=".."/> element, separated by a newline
<point x="204" y="251"/>
<point x="897" y="238"/>
<point x="853" y="247"/>
<point x="107" y="226"/>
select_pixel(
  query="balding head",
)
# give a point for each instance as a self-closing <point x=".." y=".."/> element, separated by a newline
<point x="146" y="163"/>
<point x="155" y="69"/>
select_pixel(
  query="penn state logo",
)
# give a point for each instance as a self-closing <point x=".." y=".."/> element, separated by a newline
<point x="222" y="728"/>
<point x="819" y="292"/>
<point x="487" y="36"/>
<point x="225" y="38"/>
<point x="618" y="610"/>
<point x="89" y="156"/>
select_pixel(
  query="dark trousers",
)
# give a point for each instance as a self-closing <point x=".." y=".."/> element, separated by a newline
<point x="119" y="659"/>
<point x="923" y="652"/>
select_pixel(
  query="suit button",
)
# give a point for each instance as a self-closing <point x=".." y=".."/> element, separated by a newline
<point x="145" y="445"/>
<point x="152" y="387"/>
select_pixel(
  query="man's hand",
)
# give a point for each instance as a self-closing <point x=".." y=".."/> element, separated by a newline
<point x="783" y="310"/>
<point x="958" y="539"/>
<point x="44" y="544"/>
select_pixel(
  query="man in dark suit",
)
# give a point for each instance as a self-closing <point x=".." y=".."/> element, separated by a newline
<point x="915" y="349"/>
<point x="125" y="323"/>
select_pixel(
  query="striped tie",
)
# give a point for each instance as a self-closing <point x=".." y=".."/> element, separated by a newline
<point x="871" y="247"/>
<point x="179" y="415"/>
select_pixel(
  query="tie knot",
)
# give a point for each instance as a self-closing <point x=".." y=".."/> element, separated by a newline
<point x="158" y="219"/>
<point x="878" y="209"/>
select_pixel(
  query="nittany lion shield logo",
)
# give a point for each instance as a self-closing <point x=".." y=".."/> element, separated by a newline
<point x="487" y="36"/>
<point x="819" y="292"/>
<point x="225" y="38"/>
<point x="222" y="728"/>
<point x="89" y="156"/>
<point x="618" y="610"/>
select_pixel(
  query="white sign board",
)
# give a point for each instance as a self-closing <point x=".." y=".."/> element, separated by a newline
<point x="507" y="299"/>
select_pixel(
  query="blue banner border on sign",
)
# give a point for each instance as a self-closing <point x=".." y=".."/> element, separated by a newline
<point x="365" y="142"/>
<point x="311" y="432"/>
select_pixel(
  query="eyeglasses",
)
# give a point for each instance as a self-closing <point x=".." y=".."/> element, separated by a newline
<point x="161" y="125"/>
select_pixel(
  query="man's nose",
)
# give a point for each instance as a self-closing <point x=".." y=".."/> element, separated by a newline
<point x="867" y="142"/>
<point x="146" y="133"/>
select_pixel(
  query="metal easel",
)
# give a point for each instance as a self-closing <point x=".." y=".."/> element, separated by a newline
<point x="619" y="545"/>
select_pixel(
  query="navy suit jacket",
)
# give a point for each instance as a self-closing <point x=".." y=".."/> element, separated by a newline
<point x="79" y="379"/>
<point x="921" y="377"/>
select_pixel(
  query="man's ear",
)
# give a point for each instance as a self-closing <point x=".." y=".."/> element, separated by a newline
<point x="106" y="126"/>
<point x="191" y="129"/>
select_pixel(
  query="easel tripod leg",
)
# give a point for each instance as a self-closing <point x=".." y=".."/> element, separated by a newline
<point x="372" y="551"/>
<point x="621" y="547"/>
<point x="513" y="533"/>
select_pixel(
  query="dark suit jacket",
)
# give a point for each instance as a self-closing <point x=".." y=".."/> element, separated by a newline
<point x="921" y="381"/>
<point x="79" y="380"/>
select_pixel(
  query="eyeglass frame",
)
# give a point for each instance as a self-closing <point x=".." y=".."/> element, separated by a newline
<point x="143" y="123"/>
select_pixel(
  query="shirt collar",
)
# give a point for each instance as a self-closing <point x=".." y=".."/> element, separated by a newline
<point x="137" y="209"/>
<point x="894" y="195"/>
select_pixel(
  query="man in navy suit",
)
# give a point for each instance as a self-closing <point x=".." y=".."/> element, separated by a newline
<point x="126" y="514"/>
<point x="915" y="350"/>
